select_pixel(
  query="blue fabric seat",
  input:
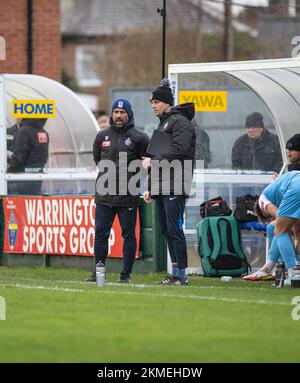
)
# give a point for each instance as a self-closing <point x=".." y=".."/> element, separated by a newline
<point x="253" y="225"/>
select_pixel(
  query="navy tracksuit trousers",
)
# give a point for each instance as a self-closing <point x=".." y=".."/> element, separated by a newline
<point x="170" y="211"/>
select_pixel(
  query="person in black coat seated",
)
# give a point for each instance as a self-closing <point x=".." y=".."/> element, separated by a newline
<point x="258" y="149"/>
<point x="30" y="155"/>
<point x="202" y="149"/>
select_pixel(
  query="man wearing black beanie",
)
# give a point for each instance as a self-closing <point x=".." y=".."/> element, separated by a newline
<point x="171" y="189"/>
<point x="258" y="149"/>
<point x="163" y="93"/>
<point x="293" y="152"/>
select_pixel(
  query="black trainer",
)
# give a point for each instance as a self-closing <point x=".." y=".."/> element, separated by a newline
<point x="169" y="280"/>
<point x="124" y="277"/>
<point x="92" y="278"/>
<point x="179" y="282"/>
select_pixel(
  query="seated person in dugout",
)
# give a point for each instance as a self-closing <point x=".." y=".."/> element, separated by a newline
<point x="103" y="121"/>
<point x="30" y="155"/>
<point x="258" y="149"/>
<point x="281" y="202"/>
<point x="202" y="150"/>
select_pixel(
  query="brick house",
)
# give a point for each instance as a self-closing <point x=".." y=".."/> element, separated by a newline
<point x="31" y="29"/>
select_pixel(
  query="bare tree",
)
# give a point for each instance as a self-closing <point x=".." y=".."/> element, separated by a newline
<point x="198" y="30"/>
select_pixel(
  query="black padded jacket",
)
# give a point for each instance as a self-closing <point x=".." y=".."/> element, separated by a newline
<point x="111" y="144"/>
<point x="31" y="146"/>
<point x="178" y="124"/>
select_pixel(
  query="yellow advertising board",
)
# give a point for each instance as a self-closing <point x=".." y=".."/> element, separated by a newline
<point x="205" y="101"/>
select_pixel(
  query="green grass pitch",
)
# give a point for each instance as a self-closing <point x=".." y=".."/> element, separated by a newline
<point x="52" y="315"/>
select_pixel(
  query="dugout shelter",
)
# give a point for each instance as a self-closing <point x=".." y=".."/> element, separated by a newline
<point x="224" y="94"/>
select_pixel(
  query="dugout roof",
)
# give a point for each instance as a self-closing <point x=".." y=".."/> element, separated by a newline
<point x="271" y="87"/>
<point x="73" y="129"/>
<point x="71" y="132"/>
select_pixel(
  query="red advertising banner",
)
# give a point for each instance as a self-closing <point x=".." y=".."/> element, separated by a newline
<point x="56" y="225"/>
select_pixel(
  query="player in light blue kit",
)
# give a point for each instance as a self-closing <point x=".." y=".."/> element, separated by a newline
<point x="283" y="193"/>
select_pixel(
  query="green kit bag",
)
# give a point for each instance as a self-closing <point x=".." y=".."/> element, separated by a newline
<point x="220" y="247"/>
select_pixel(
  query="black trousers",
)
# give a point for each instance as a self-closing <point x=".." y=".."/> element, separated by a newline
<point x="104" y="219"/>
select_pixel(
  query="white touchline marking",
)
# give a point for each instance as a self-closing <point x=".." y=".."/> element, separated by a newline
<point x="143" y="285"/>
<point x="202" y="297"/>
<point x="79" y="282"/>
<point x="196" y="297"/>
<point x="37" y="287"/>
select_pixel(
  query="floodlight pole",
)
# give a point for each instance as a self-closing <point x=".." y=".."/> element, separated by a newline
<point x="163" y="13"/>
<point x="228" y="32"/>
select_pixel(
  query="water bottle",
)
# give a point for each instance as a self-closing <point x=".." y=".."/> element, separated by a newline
<point x="100" y="274"/>
<point x="279" y="274"/>
<point x="226" y="278"/>
<point x="295" y="281"/>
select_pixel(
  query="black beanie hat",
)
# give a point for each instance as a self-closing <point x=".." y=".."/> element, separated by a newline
<point x="294" y="143"/>
<point x="255" y="120"/>
<point x="163" y="92"/>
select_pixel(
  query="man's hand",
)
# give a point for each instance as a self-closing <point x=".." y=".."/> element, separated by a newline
<point x="147" y="197"/>
<point x="146" y="163"/>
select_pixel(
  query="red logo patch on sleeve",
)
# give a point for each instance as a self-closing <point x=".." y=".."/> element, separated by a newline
<point x="105" y="144"/>
<point x="42" y="138"/>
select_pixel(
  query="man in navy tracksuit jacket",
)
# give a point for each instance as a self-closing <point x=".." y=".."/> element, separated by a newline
<point x="171" y="196"/>
<point x="120" y="138"/>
